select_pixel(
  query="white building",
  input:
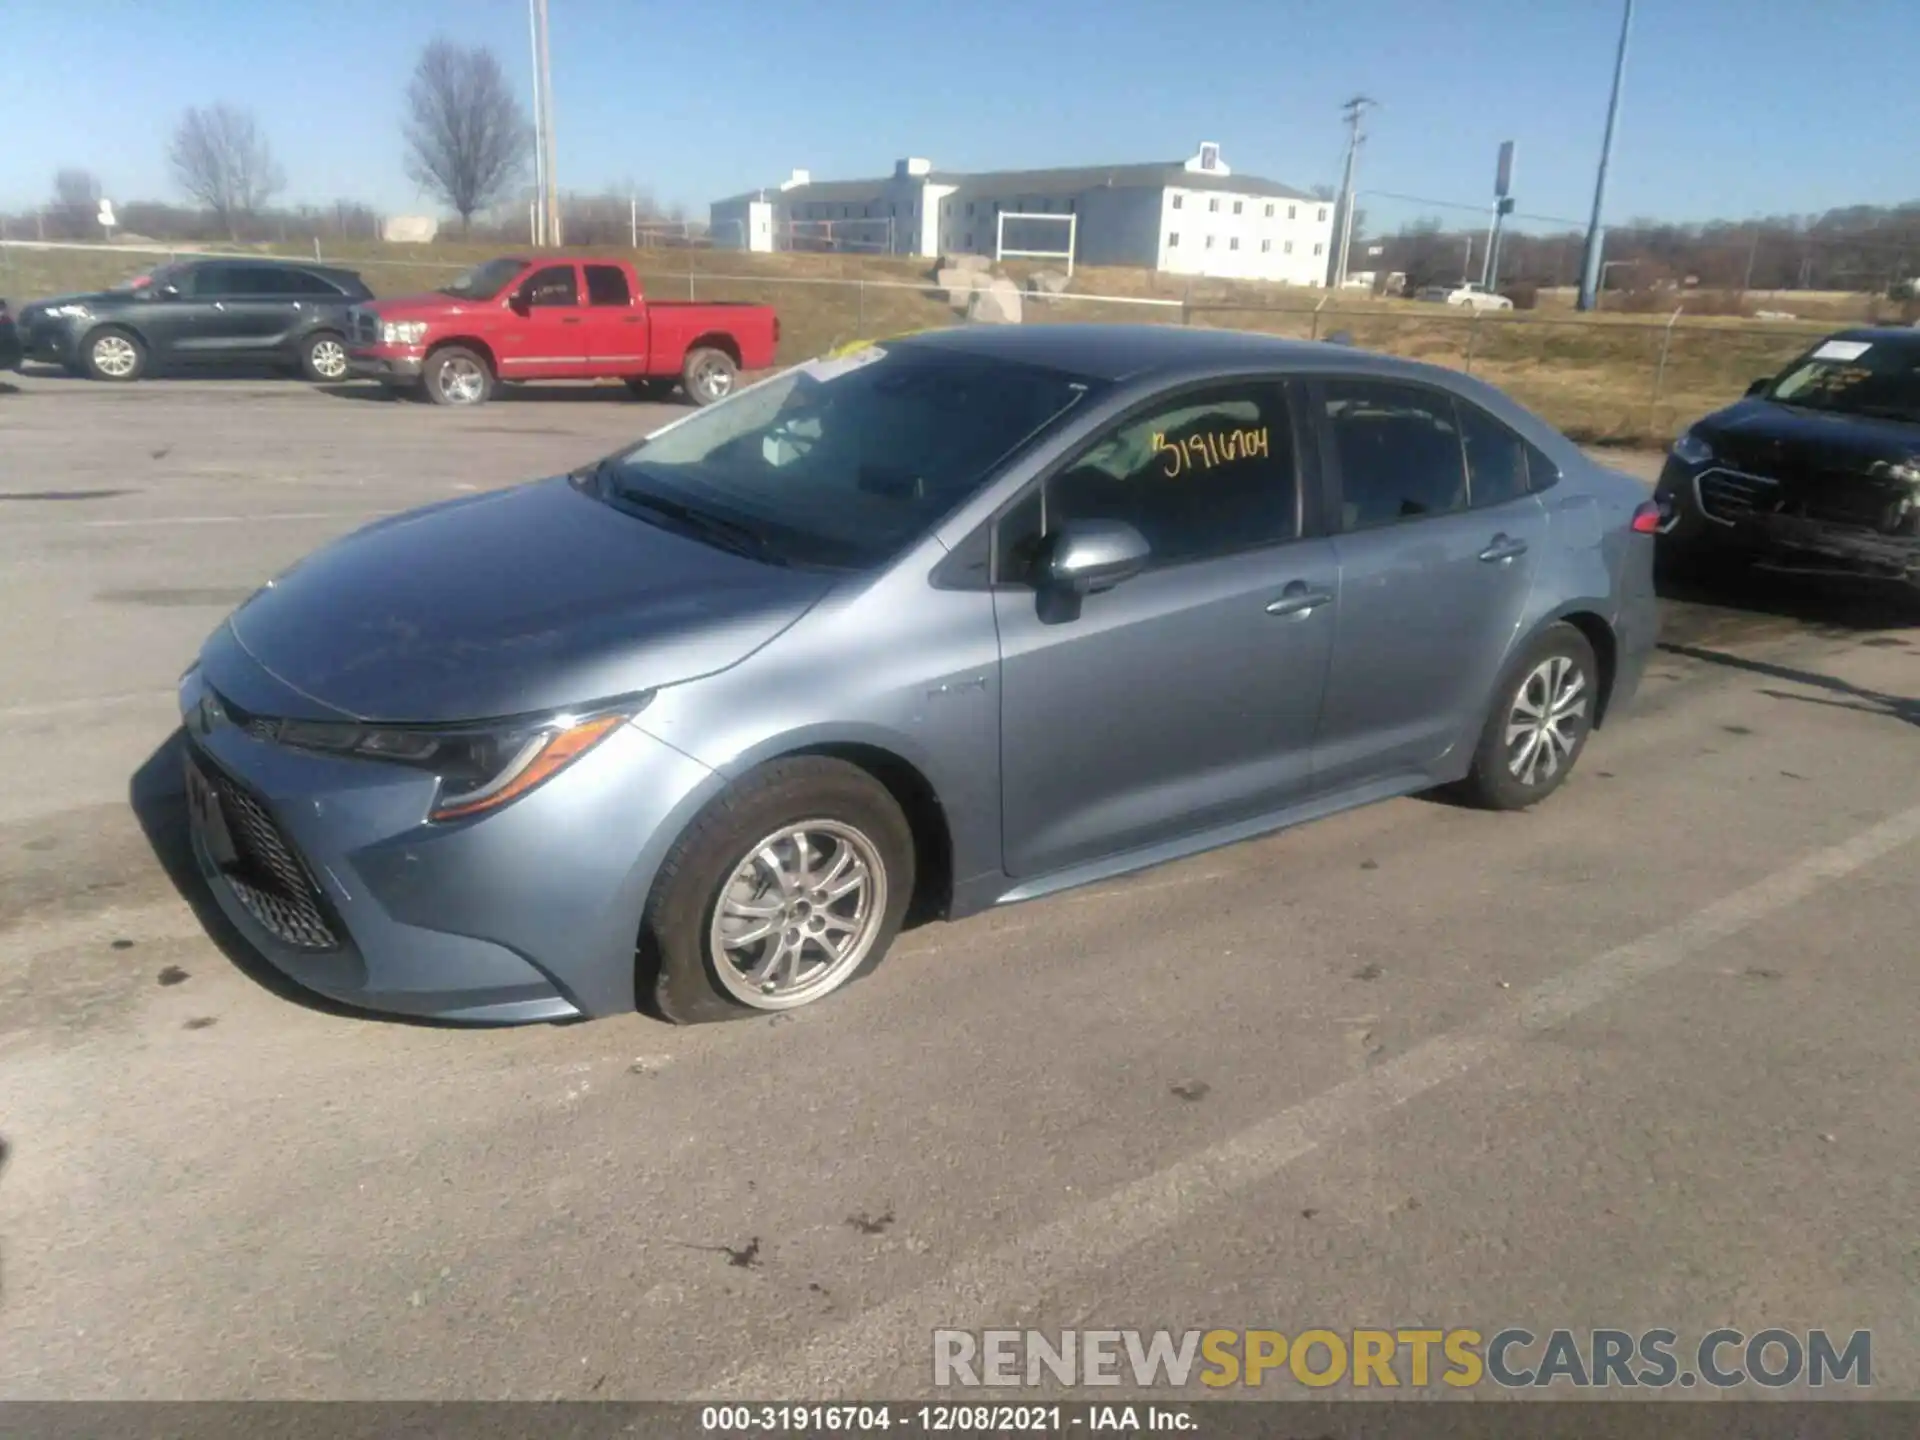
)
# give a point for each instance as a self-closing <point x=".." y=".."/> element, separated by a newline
<point x="1187" y="217"/>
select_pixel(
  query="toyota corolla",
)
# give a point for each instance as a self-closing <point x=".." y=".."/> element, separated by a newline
<point x="949" y="622"/>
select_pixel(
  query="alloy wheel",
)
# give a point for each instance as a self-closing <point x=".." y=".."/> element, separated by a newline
<point x="798" y="915"/>
<point x="1547" y="720"/>
<point x="114" y="355"/>
<point x="461" y="381"/>
<point x="713" y="379"/>
<point x="329" y="359"/>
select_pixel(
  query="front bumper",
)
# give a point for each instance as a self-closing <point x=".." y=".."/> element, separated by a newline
<point x="528" y="914"/>
<point x="391" y="363"/>
<point x="11" y="350"/>
<point x="51" y="342"/>
<point x="1728" y="511"/>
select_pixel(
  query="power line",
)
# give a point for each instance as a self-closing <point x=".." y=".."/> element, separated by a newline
<point x="1474" y="209"/>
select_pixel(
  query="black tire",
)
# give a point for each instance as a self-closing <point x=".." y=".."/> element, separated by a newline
<point x="1493" y="783"/>
<point x="323" y="358"/>
<point x="114" y="355"/>
<point x="650" y="388"/>
<point x="688" y="987"/>
<point x="708" y="375"/>
<point x="455" y="375"/>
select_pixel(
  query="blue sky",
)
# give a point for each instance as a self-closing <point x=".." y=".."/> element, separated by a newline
<point x="1732" y="107"/>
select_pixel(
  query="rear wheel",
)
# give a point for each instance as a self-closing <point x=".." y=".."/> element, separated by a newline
<point x="708" y="375"/>
<point x="1542" y="714"/>
<point x="323" y="358"/>
<point x="786" y="888"/>
<point x="113" y="354"/>
<point x="458" y="376"/>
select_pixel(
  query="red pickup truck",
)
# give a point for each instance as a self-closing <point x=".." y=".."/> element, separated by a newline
<point x="549" y="317"/>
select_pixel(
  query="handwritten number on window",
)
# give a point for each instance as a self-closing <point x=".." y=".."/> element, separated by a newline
<point x="1208" y="451"/>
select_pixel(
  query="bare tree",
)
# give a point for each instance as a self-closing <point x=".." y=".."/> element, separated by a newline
<point x="467" y="137"/>
<point x="220" y="158"/>
<point x="76" y="203"/>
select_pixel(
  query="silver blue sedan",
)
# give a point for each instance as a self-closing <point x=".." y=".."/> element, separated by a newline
<point x="941" y="624"/>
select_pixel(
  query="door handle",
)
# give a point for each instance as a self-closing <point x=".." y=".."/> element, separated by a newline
<point x="1503" y="547"/>
<point x="1299" y="598"/>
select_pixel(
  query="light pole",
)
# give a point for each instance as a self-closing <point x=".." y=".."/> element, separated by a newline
<point x="1596" y="236"/>
<point x="539" y="133"/>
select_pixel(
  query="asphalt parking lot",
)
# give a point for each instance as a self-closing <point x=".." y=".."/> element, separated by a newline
<point x="1643" y="1057"/>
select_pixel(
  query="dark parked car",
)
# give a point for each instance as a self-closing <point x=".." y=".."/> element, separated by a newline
<point x="9" y="339"/>
<point x="956" y="621"/>
<point x="1817" y="469"/>
<point x="215" y="311"/>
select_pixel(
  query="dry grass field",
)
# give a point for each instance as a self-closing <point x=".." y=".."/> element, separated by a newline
<point x="1599" y="377"/>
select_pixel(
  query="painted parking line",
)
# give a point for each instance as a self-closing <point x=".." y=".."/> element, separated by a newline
<point x="1019" y="1274"/>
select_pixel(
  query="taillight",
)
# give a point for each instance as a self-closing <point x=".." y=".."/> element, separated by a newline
<point x="1647" y="517"/>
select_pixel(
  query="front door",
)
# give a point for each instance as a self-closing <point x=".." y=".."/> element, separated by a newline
<point x="1438" y="540"/>
<point x="548" y="328"/>
<point x="1187" y="696"/>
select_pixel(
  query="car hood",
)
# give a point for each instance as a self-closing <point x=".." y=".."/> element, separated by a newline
<point x="1836" y="467"/>
<point x="89" y="297"/>
<point x="521" y="600"/>
<point x="430" y="306"/>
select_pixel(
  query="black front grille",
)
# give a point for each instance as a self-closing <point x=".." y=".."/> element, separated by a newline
<point x="270" y="879"/>
<point x="366" y="328"/>
<point x="1729" y="496"/>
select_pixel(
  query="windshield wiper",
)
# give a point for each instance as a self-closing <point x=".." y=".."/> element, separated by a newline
<point x="723" y="534"/>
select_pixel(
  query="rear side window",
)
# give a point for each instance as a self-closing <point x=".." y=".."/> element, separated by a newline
<point x="554" y="285"/>
<point x="1399" y="451"/>
<point x="305" y="282"/>
<point x="215" y="280"/>
<point x="607" y="285"/>
<point x="1500" y="465"/>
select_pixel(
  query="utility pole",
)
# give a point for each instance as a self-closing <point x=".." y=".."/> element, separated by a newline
<point x="539" y="206"/>
<point x="1353" y="110"/>
<point x="543" y="66"/>
<point x="1753" y="254"/>
<point x="1596" y="235"/>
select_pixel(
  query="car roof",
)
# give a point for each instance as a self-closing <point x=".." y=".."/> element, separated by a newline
<point x="1125" y="352"/>
<point x="278" y="262"/>
<point x="1879" y="335"/>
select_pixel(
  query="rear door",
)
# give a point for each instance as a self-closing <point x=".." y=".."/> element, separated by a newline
<point x="616" y="322"/>
<point x="549" y="328"/>
<point x="1434" y="577"/>
<point x="253" y="311"/>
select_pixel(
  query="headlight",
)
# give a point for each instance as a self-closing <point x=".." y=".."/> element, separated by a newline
<point x="1690" y="449"/>
<point x="68" y="312"/>
<point x="403" y="332"/>
<point x="480" y="767"/>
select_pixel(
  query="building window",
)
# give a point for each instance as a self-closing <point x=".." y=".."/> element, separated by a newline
<point x="1288" y="249"/>
<point x="1269" y="212"/>
<point x="1213" y="205"/>
<point x="893" y="208"/>
<point x="1209" y="242"/>
<point x="1236" y="207"/>
<point x="1318" y="248"/>
<point x="1178" y="200"/>
<point x="969" y="207"/>
<point x="1071" y="204"/>
<point x="1234" y="243"/>
<point x="1265" y="246"/>
<point x="1290" y="211"/>
<point x="846" y="212"/>
<point x="1323" y="213"/>
<point x="1173" y="240"/>
<point x="969" y="241"/>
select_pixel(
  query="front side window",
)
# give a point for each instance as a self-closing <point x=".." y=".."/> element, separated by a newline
<point x="552" y="288"/>
<point x="1205" y="475"/>
<point x="1399" y="452"/>
<point x="840" y="463"/>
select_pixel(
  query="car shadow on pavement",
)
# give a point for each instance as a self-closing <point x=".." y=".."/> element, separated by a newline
<point x="378" y="394"/>
<point x="157" y="795"/>
<point x="1834" y="605"/>
<point x="1850" y="696"/>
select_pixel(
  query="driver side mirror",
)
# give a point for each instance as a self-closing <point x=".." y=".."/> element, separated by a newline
<point x="1760" y="386"/>
<point x="1084" y="557"/>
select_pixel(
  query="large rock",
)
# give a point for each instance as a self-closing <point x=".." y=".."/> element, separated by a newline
<point x="960" y="285"/>
<point x="998" y="303"/>
<point x="966" y="262"/>
<point x="1047" y="282"/>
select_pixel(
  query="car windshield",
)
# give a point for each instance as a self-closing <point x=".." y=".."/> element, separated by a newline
<point x="150" y="279"/>
<point x="840" y="462"/>
<point x="484" y="281"/>
<point x="1855" y="377"/>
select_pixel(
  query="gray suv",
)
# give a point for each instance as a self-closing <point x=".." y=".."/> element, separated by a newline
<point x="948" y="623"/>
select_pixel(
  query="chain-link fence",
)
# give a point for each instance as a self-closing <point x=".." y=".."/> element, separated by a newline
<point x="1597" y="377"/>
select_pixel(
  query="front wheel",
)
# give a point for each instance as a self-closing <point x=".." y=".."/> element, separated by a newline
<point x="1541" y="717"/>
<point x="708" y="375"/>
<point x="114" y="355"/>
<point x="458" y="376"/>
<point x="786" y="888"/>
<point x="323" y="358"/>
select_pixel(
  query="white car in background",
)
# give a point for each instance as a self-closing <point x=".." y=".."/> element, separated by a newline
<point x="1468" y="296"/>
